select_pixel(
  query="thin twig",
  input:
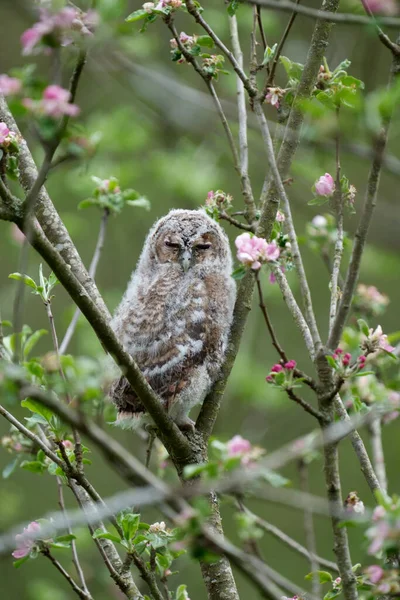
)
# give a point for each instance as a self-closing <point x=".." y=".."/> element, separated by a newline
<point x="278" y="52"/>
<point x="81" y="593"/>
<point x="309" y="529"/>
<point x="307" y="407"/>
<point x="250" y="212"/>
<point x="294" y="309"/>
<point x="312" y="13"/>
<point x="92" y="272"/>
<point x="385" y="39"/>
<point x="193" y="10"/>
<point x="370" y="202"/>
<point x="226" y="217"/>
<point x="75" y="557"/>
<point x="378" y="457"/>
<point x="339" y="205"/>
<point x="267" y="320"/>
<point x="261" y="28"/>
<point x="305" y="291"/>
<point x="291" y="543"/>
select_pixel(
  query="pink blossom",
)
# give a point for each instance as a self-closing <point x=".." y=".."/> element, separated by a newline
<point x="59" y="26"/>
<point x="68" y="445"/>
<point x="374" y="573"/>
<point x="4" y="131"/>
<point x="25" y="541"/>
<point x="325" y="186"/>
<point x="361" y="361"/>
<point x="252" y="250"/>
<point x="9" y="85"/>
<point x="277" y="368"/>
<point x="54" y="103"/>
<point x="148" y="7"/>
<point x="379" y="513"/>
<point x="238" y="446"/>
<point x="346" y="359"/>
<point x="383" y="7"/>
<point x="280" y="217"/>
<point x="32" y="36"/>
<point x="290" y="365"/>
<point x="273" y="96"/>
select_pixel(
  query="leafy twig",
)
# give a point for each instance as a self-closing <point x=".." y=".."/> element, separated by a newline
<point x="278" y="52"/>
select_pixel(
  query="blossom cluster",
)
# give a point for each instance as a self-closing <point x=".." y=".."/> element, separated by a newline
<point x="385" y="581"/>
<point x="188" y="41"/>
<point x="6" y="135"/>
<point x="353" y="504"/>
<point x="282" y="375"/>
<point x="57" y="29"/>
<point x="55" y="103"/>
<point x="341" y="362"/>
<point x="384" y="7"/>
<point x="150" y="6"/>
<point x="375" y="341"/>
<point x="9" y="85"/>
<point x="252" y="251"/>
<point x="385" y="531"/>
<point x="240" y="447"/>
<point x="26" y="540"/>
<point x="369" y="300"/>
<point x="217" y="201"/>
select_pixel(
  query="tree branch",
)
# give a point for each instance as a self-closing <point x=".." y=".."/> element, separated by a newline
<point x="327" y="14"/>
<point x="370" y="202"/>
<point x="92" y="272"/>
<point x="81" y="593"/>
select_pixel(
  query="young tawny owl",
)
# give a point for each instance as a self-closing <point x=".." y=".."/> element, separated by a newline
<point x="175" y="316"/>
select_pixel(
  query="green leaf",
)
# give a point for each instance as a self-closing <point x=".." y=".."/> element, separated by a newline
<point x="232" y="7"/>
<point x="181" y="593"/>
<point x="6" y="323"/>
<point x="239" y="273"/>
<point x="33" y="465"/>
<point x="206" y="41"/>
<point x="293" y="69"/>
<point x="318" y="201"/>
<point x="33" y="340"/>
<point x="65" y="538"/>
<point x="60" y="545"/>
<point x="269" y="54"/>
<point x="27" y="280"/>
<point x="137" y="15"/>
<point x="323" y="576"/>
<point x="35" y="407"/>
<point x="331" y="361"/>
<point x="10" y="468"/>
<point x="332" y="594"/>
<point x="193" y="470"/>
<point x="279" y="378"/>
<point x="20" y="561"/>
<point x="364" y="373"/>
<point x="106" y="535"/>
<point x="275" y="479"/>
<point x="363" y="326"/>
<point x="87" y="203"/>
<point x="140" y="203"/>
<point x="130" y="523"/>
<point x="326" y="100"/>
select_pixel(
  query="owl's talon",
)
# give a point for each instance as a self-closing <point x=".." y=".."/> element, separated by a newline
<point x="186" y="425"/>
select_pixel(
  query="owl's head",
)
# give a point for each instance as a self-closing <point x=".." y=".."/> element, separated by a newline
<point x="188" y="239"/>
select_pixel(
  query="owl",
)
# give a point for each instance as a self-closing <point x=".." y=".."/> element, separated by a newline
<point x="175" y="316"/>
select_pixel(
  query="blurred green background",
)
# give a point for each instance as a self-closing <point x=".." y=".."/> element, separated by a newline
<point x="159" y="134"/>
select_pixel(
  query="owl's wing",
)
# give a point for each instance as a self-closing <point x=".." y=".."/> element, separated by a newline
<point x="168" y="352"/>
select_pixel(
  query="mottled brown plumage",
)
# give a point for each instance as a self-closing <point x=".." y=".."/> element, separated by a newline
<point x="176" y="314"/>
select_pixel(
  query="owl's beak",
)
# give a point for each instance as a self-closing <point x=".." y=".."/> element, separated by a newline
<point x="186" y="259"/>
